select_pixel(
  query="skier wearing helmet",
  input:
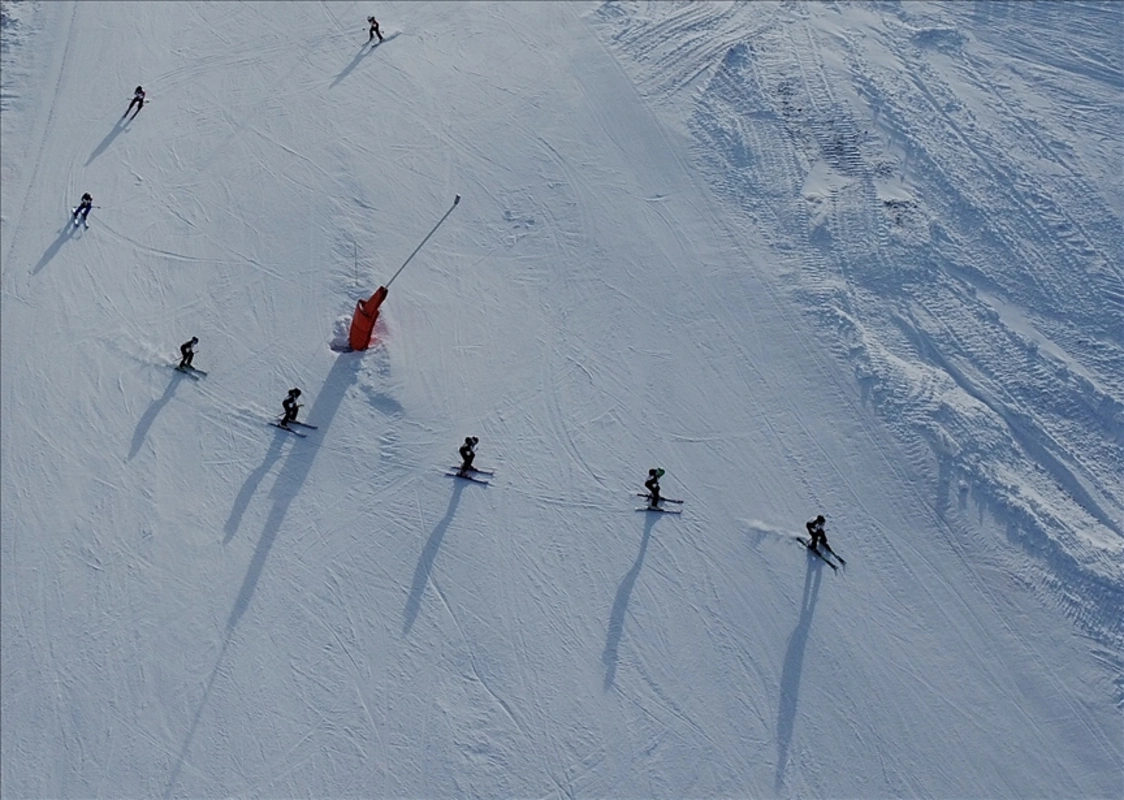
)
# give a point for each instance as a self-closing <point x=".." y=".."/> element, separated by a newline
<point x="816" y="531"/>
<point x="374" y="30"/>
<point x="468" y="455"/>
<point x="291" y="407"/>
<point x="653" y="485"/>
<point x="188" y="353"/>
<point x="138" y="101"/>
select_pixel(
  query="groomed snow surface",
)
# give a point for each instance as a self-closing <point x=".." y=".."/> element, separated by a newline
<point x="862" y="259"/>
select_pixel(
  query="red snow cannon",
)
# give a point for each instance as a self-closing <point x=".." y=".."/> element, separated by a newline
<point x="363" y="323"/>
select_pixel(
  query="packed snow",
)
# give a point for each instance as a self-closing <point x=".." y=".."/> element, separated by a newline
<point x="855" y="259"/>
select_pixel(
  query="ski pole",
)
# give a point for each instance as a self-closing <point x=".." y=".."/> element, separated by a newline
<point x="456" y="200"/>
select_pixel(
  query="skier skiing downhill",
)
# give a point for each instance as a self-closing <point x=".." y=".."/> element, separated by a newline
<point x="83" y="209"/>
<point x="468" y="455"/>
<point x="819" y="537"/>
<point x="138" y="101"/>
<point x="653" y="485"/>
<point x="816" y="531"/>
<point x="291" y="407"/>
<point x="188" y="353"/>
<point x="374" y="31"/>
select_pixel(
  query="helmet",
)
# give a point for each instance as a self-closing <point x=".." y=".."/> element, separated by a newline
<point x="138" y="89"/>
<point x="195" y="340"/>
<point x="295" y="392"/>
<point x="653" y="472"/>
<point x="820" y="518"/>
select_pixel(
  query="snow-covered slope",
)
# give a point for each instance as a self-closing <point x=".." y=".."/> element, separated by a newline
<point x="859" y="259"/>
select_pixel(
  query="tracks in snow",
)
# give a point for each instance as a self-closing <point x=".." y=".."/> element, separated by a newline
<point x="951" y="244"/>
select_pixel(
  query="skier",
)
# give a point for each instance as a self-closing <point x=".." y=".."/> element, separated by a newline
<point x="653" y="485"/>
<point x="374" y="30"/>
<point x="138" y="101"/>
<point x="819" y="536"/>
<point x="188" y="353"/>
<point x="468" y="455"/>
<point x="291" y="406"/>
<point x="84" y="208"/>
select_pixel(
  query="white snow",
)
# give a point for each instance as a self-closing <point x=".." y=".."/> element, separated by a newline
<point x="864" y="259"/>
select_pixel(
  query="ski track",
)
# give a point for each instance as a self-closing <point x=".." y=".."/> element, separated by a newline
<point x="1055" y="422"/>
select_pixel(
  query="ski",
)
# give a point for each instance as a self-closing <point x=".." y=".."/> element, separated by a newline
<point x="808" y="546"/>
<point x="290" y="430"/>
<point x="659" y="510"/>
<point x="481" y="481"/>
<point x="189" y="373"/>
<point x="662" y="499"/>
<point x="474" y="469"/>
<point x="192" y="371"/>
<point x="303" y="424"/>
<point x="838" y="557"/>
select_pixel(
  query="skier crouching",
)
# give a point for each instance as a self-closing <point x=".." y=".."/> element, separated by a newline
<point x="188" y="353"/>
<point x="819" y="536"/>
<point x="291" y="407"/>
<point x="468" y="455"/>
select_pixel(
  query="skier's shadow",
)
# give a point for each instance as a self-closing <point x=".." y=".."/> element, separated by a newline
<point x="251" y="485"/>
<point x="354" y="63"/>
<point x="610" y="656"/>
<point x="150" y="415"/>
<point x="794" y="665"/>
<point x="108" y="140"/>
<point x="428" y="556"/>
<point x="293" y="475"/>
<point x="363" y="51"/>
<point x="64" y="236"/>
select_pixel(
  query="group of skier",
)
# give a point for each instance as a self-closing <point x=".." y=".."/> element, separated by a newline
<point x="289" y="405"/>
<point x="467" y="451"/>
<point x="83" y="208"/>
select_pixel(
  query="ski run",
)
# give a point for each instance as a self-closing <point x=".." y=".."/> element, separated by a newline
<point x="844" y="258"/>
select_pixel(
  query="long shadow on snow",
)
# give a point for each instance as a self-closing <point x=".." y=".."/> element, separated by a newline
<point x="354" y="63"/>
<point x="428" y="556"/>
<point x="65" y="234"/>
<point x="251" y="485"/>
<point x="108" y="140"/>
<point x="293" y="475"/>
<point x="150" y="415"/>
<point x="288" y="485"/>
<point x="609" y="656"/>
<point x="364" y="50"/>
<point x="794" y="665"/>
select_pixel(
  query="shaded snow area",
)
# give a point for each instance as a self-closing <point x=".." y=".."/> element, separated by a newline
<point x="855" y="259"/>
